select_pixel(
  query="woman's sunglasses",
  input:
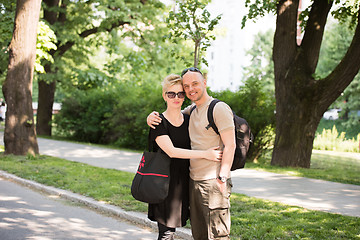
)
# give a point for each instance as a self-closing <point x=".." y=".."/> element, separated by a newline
<point x="174" y="94"/>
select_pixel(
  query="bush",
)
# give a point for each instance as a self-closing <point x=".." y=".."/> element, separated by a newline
<point x="84" y="115"/>
<point x="331" y="140"/>
<point x="128" y="121"/>
<point x="117" y="115"/>
<point x="341" y="126"/>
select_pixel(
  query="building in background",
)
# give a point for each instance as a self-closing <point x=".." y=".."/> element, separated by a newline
<point x="227" y="55"/>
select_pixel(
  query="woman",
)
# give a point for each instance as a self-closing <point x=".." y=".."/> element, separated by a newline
<point x="175" y="142"/>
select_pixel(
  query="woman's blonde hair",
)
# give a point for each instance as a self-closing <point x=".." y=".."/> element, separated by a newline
<point x="171" y="80"/>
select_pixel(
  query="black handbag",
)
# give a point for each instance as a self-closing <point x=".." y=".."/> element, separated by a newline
<point x="151" y="181"/>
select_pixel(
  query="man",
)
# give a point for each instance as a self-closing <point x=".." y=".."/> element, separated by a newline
<point x="210" y="183"/>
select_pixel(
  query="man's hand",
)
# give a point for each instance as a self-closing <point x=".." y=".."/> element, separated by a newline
<point x="153" y="119"/>
<point x="221" y="185"/>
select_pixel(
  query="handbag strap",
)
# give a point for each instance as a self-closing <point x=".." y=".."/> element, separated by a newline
<point x="151" y="143"/>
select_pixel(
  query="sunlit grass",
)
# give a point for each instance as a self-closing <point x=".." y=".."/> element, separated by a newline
<point x="260" y="219"/>
<point x="108" y="185"/>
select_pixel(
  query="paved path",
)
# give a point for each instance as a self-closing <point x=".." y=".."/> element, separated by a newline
<point x="28" y="214"/>
<point x="297" y="191"/>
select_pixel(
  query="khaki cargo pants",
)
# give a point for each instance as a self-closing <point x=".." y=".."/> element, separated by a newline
<point x="209" y="210"/>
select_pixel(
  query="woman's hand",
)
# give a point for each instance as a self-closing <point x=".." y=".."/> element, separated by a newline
<point x="214" y="154"/>
<point x="153" y="119"/>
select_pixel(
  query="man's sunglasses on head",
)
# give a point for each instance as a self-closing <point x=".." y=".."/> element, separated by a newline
<point x="191" y="69"/>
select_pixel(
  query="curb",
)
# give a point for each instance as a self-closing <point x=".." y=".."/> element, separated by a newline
<point x="135" y="217"/>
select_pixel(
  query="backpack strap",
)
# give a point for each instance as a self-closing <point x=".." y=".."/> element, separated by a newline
<point x="210" y="115"/>
<point x="192" y="109"/>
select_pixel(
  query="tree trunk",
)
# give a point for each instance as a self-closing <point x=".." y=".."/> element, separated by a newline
<point x="296" y="123"/>
<point x="20" y="135"/>
<point x="45" y="106"/>
<point x="47" y="90"/>
<point x="300" y="99"/>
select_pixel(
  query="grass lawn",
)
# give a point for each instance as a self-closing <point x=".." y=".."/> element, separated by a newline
<point x="251" y="218"/>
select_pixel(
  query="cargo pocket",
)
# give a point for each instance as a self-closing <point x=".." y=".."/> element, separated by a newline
<point x="219" y="205"/>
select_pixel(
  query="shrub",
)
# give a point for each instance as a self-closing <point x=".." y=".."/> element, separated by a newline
<point x="128" y="121"/>
<point x="117" y="115"/>
<point x="84" y="114"/>
<point x="351" y="131"/>
<point x="114" y="116"/>
<point x="331" y="140"/>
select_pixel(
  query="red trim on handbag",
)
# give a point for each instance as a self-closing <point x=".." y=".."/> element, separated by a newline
<point x="154" y="174"/>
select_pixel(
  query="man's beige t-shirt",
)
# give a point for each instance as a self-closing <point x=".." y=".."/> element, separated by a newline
<point x="203" y="138"/>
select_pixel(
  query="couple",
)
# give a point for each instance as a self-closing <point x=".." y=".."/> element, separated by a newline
<point x="209" y="187"/>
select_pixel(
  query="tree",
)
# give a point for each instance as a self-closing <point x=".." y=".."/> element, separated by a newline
<point x="153" y="57"/>
<point x="301" y="99"/>
<point x="76" y="25"/>
<point x="45" y="41"/>
<point x="7" y="15"/>
<point x="20" y="136"/>
<point x="192" y="21"/>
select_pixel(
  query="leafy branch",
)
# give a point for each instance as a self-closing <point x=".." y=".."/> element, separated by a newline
<point x="190" y="20"/>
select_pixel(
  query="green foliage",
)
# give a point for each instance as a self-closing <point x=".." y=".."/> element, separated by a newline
<point x="191" y="21"/>
<point x="137" y="52"/>
<point x="350" y="131"/>
<point x="84" y="30"/>
<point x="83" y="115"/>
<point x="258" y="8"/>
<point x="337" y="40"/>
<point x="347" y="12"/>
<point x="128" y="121"/>
<point x="111" y="115"/>
<point x="46" y="39"/>
<point x="123" y="74"/>
<point x="91" y="78"/>
<point x="343" y="10"/>
<point x="116" y="113"/>
<point x="7" y="16"/>
<point x="262" y="65"/>
<point x="331" y="139"/>
<point x="274" y="220"/>
<point x="253" y="103"/>
<point x="150" y="59"/>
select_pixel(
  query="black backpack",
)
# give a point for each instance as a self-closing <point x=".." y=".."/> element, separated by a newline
<point x="243" y="135"/>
